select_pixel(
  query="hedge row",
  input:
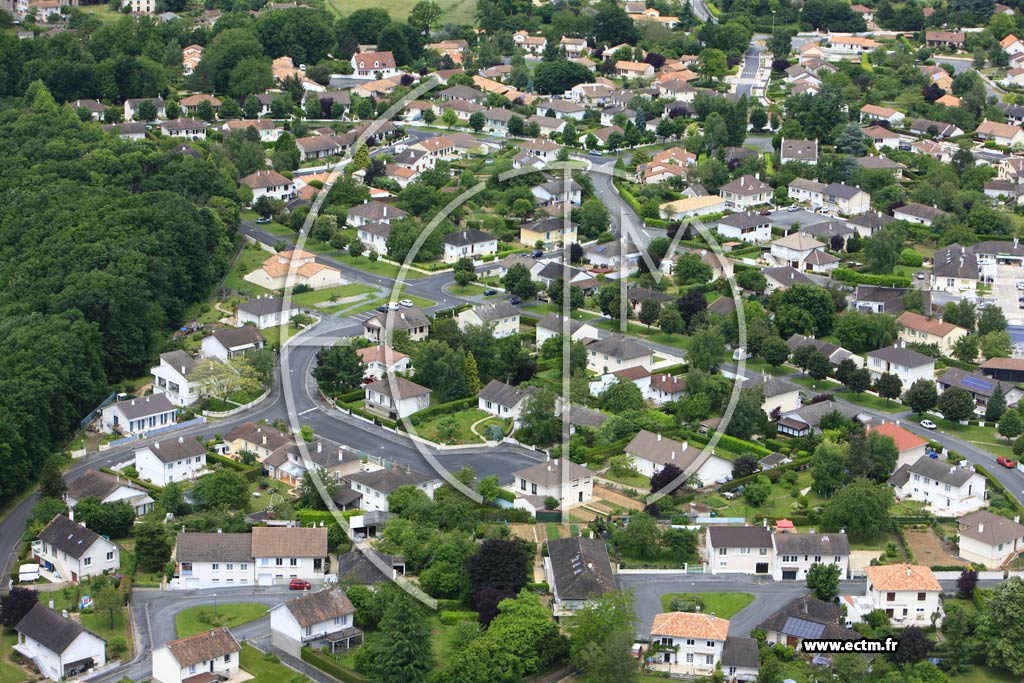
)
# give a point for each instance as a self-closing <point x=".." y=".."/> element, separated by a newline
<point x="853" y="277"/>
<point x="354" y="395"/>
<point x="959" y="364"/>
<point x="507" y="495"/>
<point x="735" y="483"/>
<point x="135" y="480"/>
<point x="376" y="419"/>
<point x="331" y="667"/>
<point x="428" y="414"/>
<point x="449" y="618"/>
<point x="997" y="485"/>
<point x="730" y="443"/>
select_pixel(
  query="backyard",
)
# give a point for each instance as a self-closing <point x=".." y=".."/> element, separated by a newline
<point x="8" y="672"/>
<point x="266" y="670"/>
<point x="203" y="618"/>
<point x="723" y="605"/>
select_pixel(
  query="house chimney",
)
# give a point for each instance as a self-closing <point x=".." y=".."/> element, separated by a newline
<point x="157" y="444"/>
<point x="64" y="613"/>
<point x="71" y="514"/>
<point x="686" y="445"/>
<point x="319" y="446"/>
<point x="182" y="369"/>
<point x="659" y="437"/>
<point x="181" y="439"/>
<point x="981" y="528"/>
<point x="908" y="570"/>
<point x="51" y="604"/>
<point x="673" y="455"/>
<point x="264" y="439"/>
<point x="220" y="531"/>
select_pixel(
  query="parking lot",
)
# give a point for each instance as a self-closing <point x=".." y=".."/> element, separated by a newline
<point x="1005" y="291"/>
<point x="784" y="219"/>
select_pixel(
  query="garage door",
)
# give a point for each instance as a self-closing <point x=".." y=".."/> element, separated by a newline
<point x="265" y="579"/>
<point x="789" y="575"/>
<point x="191" y="583"/>
<point x="761" y="568"/>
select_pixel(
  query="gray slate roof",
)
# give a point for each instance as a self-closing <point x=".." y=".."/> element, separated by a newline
<point x="181" y="361"/>
<point x="740" y="537"/>
<point x="465" y="238"/>
<point x="741" y="653"/>
<point x="49" y="628"/>
<point x="264" y="306"/>
<point x="99" y="484"/>
<point x="934" y="470"/>
<point x="550" y="473"/>
<point x="902" y="356"/>
<point x="145" y="406"/>
<point x="172" y="450"/>
<point x="316" y="608"/>
<point x="990" y="528"/>
<point x="213" y="547"/>
<point x="496" y="311"/>
<point x="581" y="568"/>
<point x="662" y="450"/>
<point x="389" y="479"/>
<point x="68" y="537"/>
<point x="235" y="337"/>
<point x="812" y="544"/>
<point x="503" y="394"/>
<point x="619" y="346"/>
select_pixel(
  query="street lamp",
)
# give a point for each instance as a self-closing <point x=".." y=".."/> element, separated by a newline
<point x="773" y="23"/>
<point x="214" y="605"/>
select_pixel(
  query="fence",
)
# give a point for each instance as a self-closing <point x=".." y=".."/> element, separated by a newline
<point x="234" y="411"/>
<point x="181" y="425"/>
<point x="92" y="413"/>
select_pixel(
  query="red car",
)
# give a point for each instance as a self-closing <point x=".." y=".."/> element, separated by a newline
<point x="1006" y="462"/>
<point x="299" y="585"/>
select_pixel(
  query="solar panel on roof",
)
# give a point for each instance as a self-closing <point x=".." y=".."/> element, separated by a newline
<point x="976" y="383"/>
<point x="801" y="628"/>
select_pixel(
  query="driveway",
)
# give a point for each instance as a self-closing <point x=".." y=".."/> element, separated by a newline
<point x="1004" y="289"/>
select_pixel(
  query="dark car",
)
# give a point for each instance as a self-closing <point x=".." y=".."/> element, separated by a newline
<point x="766" y="212"/>
<point x="538" y="253"/>
<point x="515" y="300"/>
<point x="490" y="292"/>
<point x="299" y="585"/>
<point x="383" y="309"/>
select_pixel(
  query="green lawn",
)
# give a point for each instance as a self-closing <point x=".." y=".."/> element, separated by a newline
<point x="779" y="504"/>
<point x="465" y="418"/>
<point x="872" y="402"/>
<point x="452" y="11"/>
<point x="815" y="384"/>
<point x="99" y="623"/>
<point x="375" y="267"/>
<point x="984" y="674"/>
<point x="8" y="672"/>
<point x="472" y="289"/>
<point x="758" y="365"/>
<point x="198" y="619"/>
<point x="541" y="309"/>
<point x="263" y="671"/>
<point x="636" y="481"/>
<point x="724" y="605"/>
<point x="249" y="260"/>
<point x="983" y="437"/>
<point x="271" y="227"/>
<point x="310" y="299"/>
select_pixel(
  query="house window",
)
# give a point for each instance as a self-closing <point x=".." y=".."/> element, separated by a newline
<point x="744" y="551"/>
<point x="227" y="658"/>
<point x="710" y="659"/>
<point x="690" y="642"/>
<point x="216" y="567"/>
<point x="110" y="556"/>
<point x="723" y="551"/>
<point x="710" y="643"/>
<point x="294" y="562"/>
<point x="337" y="621"/>
<point x="309" y="630"/>
<point x="243" y="566"/>
<point x="689" y="658"/>
<point x="764" y="551"/>
<point x="191" y="668"/>
<point x="279" y="561"/>
<point x="889" y="597"/>
<point x="666" y="641"/>
<point x="229" y="567"/>
<point x="921" y="597"/>
<point x="87" y="562"/>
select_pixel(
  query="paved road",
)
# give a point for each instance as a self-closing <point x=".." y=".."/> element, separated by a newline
<point x="751" y="76"/>
<point x="701" y="11"/>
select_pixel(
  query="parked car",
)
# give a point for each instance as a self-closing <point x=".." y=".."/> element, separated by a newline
<point x="263" y="220"/>
<point x="637" y="650"/>
<point x="538" y="253"/>
<point x="392" y="306"/>
<point x="1020" y="284"/>
<point x="299" y="585"/>
<point x="1005" y="462"/>
<point x="927" y="424"/>
<point x="793" y="208"/>
<point x="382" y="309"/>
<point x="515" y="300"/>
<point x="766" y="212"/>
<point x="920" y="276"/>
<point x="490" y="292"/>
<point x="406" y="303"/>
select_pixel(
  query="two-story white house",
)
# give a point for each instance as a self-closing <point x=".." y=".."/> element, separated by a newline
<point x="795" y="554"/>
<point x="908" y="365"/>
<point x="395" y="397"/>
<point x="989" y="539"/>
<point x="259" y="439"/>
<point x="578" y="571"/>
<point x="324" y="617"/>
<point x="653" y="452"/>
<point x="907" y="593"/>
<point x="213" y="655"/>
<point x="264" y="312"/>
<point x="947" y="489"/>
<point x="109" y="489"/>
<point x="381" y="360"/>
<point x="213" y="560"/>
<point x="553" y="325"/>
<point x="171" y="378"/>
<point x="179" y="459"/>
<point x="740" y="550"/>
<point x="471" y="243"/>
<point x="283" y="553"/>
<point x="617" y="352"/>
<point x="697" y="639"/>
<point x="58" y="645"/>
<point x="745" y="192"/>
<point x="231" y="342"/>
<point x="270" y="184"/>
<point x="502" y="400"/>
<point x="376" y="485"/>
<point x="502" y="317"/>
<point x="68" y="551"/>
<point x="137" y="415"/>
<point x="562" y="479"/>
<point x="748" y="226"/>
<point x="795" y="250"/>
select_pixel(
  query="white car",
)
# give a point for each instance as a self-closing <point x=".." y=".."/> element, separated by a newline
<point x="392" y="306"/>
<point x="920" y="276"/>
<point x="1020" y="284"/>
<point x="406" y="303"/>
<point x="928" y="424"/>
<point x="793" y="208"/>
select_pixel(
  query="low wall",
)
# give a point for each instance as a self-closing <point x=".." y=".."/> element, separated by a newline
<point x="234" y="411"/>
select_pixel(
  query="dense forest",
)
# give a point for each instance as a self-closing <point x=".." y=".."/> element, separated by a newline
<point x="103" y="245"/>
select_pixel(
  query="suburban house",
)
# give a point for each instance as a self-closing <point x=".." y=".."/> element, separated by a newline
<point x="910" y="446"/>
<point x="211" y="560"/>
<point x="916" y="328"/>
<point x="171" y="378"/>
<point x="269" y="184"/>
<point x="373" y="65"/>
<point x="551" y="232"/>
<point x="692" y="206"/>
<point x="908" y="365"/>
<point x="502" y="400"/>
<point x="809" y="618"/>
<point x="1005" y="134"/>
<point x="909" y="594"/>
<point x="876" y="299"/>
<point x="381" y="360"/>
<point x="577" y="570"/>
<point x="739" y="550"/>
<point x="179" y="459"/>
<point x="652" y="452"/>
<point x="797" y="250"/>
<point x="779" y="394"/>
<point x="951" y="40"/>
<point x="265" y="311"/>
<point x="411" y="320"/>
<point x="795" y="553"/>
<point x="638" y="375"/>
<point x="745" y="192"/>
<point x="109" y="489"/>
<point x="374" y="236"/>
<point x="980" y="387"/>
<point x="693" y="642"/>
<point x="131" y="107"/>
<point x="836" y="197"/>
<point x="946" y="489"/>
<point x="873" y="112"/>
<point x="955" y="270"/>
<point x="294" y="267"/>
<point x="212" y="655"/>
<point x="136" y="415"/>
<point x="989" y="539"/>
<point x="798" y="151"/>
<point x="617" y="352"/>
<point x="557" y="192"/>
<point x="376" y="485"/>
<point x="741" y="659"/>
<point x="561" y="479"/>
<point x="806" y="419"/>
<point x="1004" y="369"/>
<point x="185" y="128"/>
<point x="634" y="69"/>
<point x="835" y="354"/>
<point x="57" y="644"/>
<point x="552" y="325"/>
<point x="67" y="551"/>
<point x="396" y="397"/>
<point x="501" y="317"/>
<point x="259" y="439"/>
<point x="471" y="243"/>
<point x="373" y="212"/>
<point x="282" y="553"/>
<point x="919" y="213"/>
<point x="783" y="278"/>
<point x="747" y="226"/>
<point x="313" y="620"/>
<point x="230" y="342"/>
<point x="665" y="388"/>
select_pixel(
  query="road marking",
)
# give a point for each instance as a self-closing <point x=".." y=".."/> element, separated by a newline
<point x="309" y="410"/>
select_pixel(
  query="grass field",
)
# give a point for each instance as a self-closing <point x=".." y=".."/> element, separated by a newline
<point x="873" y="402"/>
<point x="309" y="299"/>
<point x="452" y="11"/>
<point x="779" y="504"/>
<point x="983" y="437"/>
<point x="724" y="605"/>
<point x="8" y="672"/>
<point x="198" y="619"/>
<point x="252" y="661"/>
<point x="465" y="419"/>
<point x="99" y="623"/>
<point x="815" y="384"/>
<point x="983" y="674"/>
<point x="248" y="260"/>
